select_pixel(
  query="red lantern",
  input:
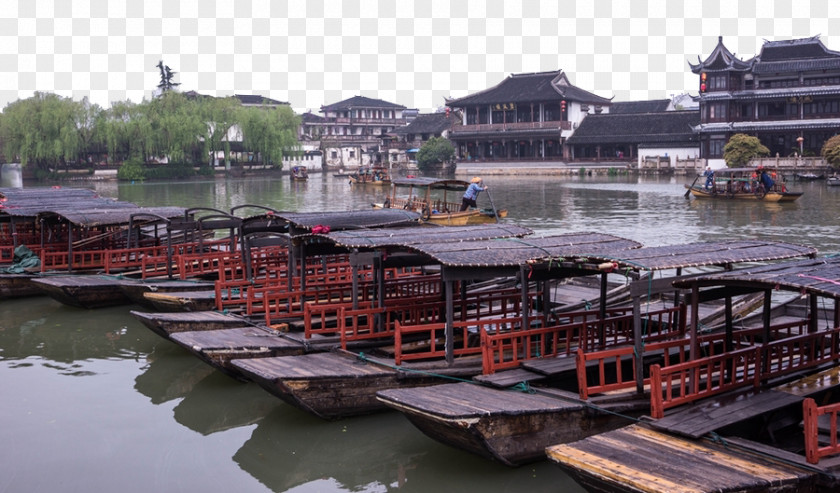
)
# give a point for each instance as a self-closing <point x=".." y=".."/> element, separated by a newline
<point x="563" y="105"/>
<point x="703" y="76"/>
<point x="447" y="112"/>
<point x="703" y="87"/>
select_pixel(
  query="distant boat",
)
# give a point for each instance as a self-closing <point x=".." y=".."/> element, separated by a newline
<point x="439" y="201"/>
<point x="833" y="180"/>
<point x="299" y="173"/>
<point x="809" y="176"/>
<point x="371" y="175"/>
<point x="741" y="184"/>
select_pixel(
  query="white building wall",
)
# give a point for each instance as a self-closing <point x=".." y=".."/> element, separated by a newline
<point x="673" y="153"/>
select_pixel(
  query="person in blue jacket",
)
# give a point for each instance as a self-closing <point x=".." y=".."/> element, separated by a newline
<point x="472" y="193"/>
<point x="710" y="177"/>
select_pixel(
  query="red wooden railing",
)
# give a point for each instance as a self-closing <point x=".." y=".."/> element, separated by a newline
<point x="583" y="330"/>
<point x="811" y="413"/>
<point x="694" y="380"/>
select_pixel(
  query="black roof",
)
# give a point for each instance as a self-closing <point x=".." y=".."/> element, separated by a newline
<point x="360" y="102"/>
<point x="310" y="117"/>
<point x="720" y="253"/>
<point x="816" y="275"/>
<point x="652" y="106"/>
<point x="530" y="88"/>
<point x="257" y="99"/>
<point x="786" y="56"/>
<point x="429" y="234"/>
<point x="638" y="128"/>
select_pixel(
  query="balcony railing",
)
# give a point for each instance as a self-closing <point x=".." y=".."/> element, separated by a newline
<point x="494" y="127"/>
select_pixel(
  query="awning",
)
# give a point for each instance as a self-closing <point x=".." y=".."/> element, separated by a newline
<point x="413" y="150"/>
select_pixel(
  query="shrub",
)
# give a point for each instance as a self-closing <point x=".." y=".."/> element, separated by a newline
<point x="132" y="170"/>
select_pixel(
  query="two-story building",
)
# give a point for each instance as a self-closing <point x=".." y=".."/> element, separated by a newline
<point x="353" y="131"/>
<point x="526" y="117"/>
<point x="788" y="96"/>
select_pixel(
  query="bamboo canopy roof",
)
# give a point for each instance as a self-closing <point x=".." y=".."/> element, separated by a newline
<point x="513" y="252"/>
<point x="78" y="206"/>
<point x="717" y="253"/>
<point x="407" y="237"/>
<point x="819" y="276"/>
<point x="303" y="222"/>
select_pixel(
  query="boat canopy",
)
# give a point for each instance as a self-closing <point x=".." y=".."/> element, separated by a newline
<point x="407" y="237"/>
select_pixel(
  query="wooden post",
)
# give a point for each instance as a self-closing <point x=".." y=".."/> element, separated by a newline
<point x="638" y="347"/>
<point x="450" y="325"/>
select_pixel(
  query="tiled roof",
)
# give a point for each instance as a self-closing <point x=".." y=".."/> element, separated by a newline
<point x="433" y="123"/>
<point x="360" y="102"/>
<point x="638" y="128"/>
<point x="310" y="117"/>
<point x="720" y="59"/>
<point x="256" y="99"/>
<point x="652" y="106"/>
<point x="530" y="88"/>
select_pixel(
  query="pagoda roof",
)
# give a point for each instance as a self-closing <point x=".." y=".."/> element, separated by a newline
<point x="430" y="123"/>
<point x="530" y="88"/>
<point x="651" y="106"/>
<point x="720" y="60"/>
<point x="795" y="55"/>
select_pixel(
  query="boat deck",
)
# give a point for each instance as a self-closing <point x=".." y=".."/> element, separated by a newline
<point x="670" y="455"/>
<point x="167" y="323"/>
<point x="636" y="458"/>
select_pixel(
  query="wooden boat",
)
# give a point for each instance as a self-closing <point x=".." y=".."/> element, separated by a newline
<point x="165" y="324"/>
<point x="299" y="173"/>
<point x="741" y="184"/>
<point x="439" y="201"/>
<point x="833" y="181"/>
<point x="491" y="420"/>
<point x="343" y="174"/>
<point x="98" y="291"/>
<point x="371" y="175"/>
<point x="757" y="400"/>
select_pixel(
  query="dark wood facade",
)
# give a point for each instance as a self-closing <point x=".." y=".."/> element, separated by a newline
<point x="526" y="117"/>
<point x="788" y="96"/>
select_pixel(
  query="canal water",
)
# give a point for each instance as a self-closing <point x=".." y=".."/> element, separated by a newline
<point x="91" y="400"/>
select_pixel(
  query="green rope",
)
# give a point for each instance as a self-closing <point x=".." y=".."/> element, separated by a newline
<point x="361" y="357"/>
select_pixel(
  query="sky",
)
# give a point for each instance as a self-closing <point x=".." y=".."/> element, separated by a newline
<point x="416" y="53"/>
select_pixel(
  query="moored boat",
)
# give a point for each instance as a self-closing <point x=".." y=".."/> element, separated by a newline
<point x="439" y="201"/>
<point x="742" y="184"/>
<point x="833" y="181"/>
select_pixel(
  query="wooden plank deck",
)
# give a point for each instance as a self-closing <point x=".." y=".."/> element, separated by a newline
<point x="636" y="458"/>
<point x="167" y="323"/>
<point x="509" y="378"/>
<point x="234" y="338"/>
<point x="696" y="420"/>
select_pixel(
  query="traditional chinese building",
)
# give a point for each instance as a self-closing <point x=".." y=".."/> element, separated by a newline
<point x="404" y="142"/>
<point x="788" y="96"/>
<point x="353" y="130"/>
<point x="526" y="117"/>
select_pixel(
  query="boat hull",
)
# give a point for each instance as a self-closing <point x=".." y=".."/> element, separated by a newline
<point x="508" y="427"/>
<point x="464" y="218"/>
<point x="18" y="286"/>
<point x="165" y="324"/>
<point x="701" y="193"/>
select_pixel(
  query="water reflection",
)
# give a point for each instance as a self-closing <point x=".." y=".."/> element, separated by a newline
<point x="374" y="453"/>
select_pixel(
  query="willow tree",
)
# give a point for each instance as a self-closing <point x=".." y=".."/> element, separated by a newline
<point x="220" y="115"/>
<point x="175" y="129"/>
<point x="42" y="131"/>
<point x="831" y="151"/>
<point x="270" y="131"/>
<point x="125" y="129"/>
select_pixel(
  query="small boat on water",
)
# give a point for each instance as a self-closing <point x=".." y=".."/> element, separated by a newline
<point x="299" y="173"/>
<point x="742" y="184"/>
<point x="808" y="176"/>
<point x="832" y="181"/>
<point x="371" y="175"/>
<point x="439" y="201"/>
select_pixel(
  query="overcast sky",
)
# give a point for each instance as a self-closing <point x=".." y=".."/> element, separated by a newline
<point x="411" y="52"/>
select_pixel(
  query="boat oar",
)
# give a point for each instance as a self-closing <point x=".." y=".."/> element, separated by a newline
<point x="688" y="192"/>
<point x="495" y="214"/>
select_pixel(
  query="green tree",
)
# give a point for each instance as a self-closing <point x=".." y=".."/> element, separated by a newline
<point x="166" y="75"/>
<point x="741" y="148"/>
<point x="831" y="151"/>
<point x="175" y="128"/>
<point x="220" y="115"/>
<point x="42" y="131"/>
<point x="434" y="152"/>
<point x="271" y="132"/>
<point x="125" y="130"/>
